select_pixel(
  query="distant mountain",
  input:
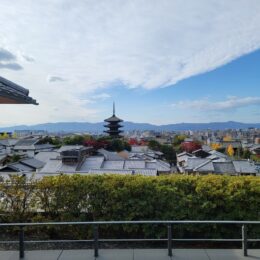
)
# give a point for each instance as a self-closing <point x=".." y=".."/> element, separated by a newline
<point x="129" y="126"/>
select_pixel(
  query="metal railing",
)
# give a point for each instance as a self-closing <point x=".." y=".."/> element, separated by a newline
<point x="244" y="239"/>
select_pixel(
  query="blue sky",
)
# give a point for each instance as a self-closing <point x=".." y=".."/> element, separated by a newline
<point x="160" y="61"/>
<point x="239" y="78"/>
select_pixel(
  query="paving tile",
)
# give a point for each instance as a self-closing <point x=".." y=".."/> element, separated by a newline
<point x="115" y="254"/>
<point x="137" y="254"/>
<point x="151" y="254"/>
<point x="31" y="255"/>
<point x="190" y="254"/>
<point x="8" y="255"/>
<point x="86" y="254"/>
<point x="232" y="254"/>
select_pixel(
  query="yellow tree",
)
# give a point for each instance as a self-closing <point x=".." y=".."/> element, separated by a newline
<point x="227" y="138"/>
<point x="4" y="136"/>
<point x="215" y="146"/>
<point x="230" y="150"/>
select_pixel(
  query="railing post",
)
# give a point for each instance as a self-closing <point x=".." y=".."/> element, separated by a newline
<point x="95" y="240"/>
<point x="244" y="239"/>
<point x="21" y="242"/>
<point x="169" y="240"/>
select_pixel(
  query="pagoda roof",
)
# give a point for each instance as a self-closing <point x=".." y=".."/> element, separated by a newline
<point x="113" y="118"/>
<point x="11" y="93"/>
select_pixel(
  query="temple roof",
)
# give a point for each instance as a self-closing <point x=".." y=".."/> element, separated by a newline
<point x="113" y="118"/>
<point x="11" y="93"/>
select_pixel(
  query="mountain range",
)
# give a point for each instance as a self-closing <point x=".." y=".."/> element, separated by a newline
<point x="129" y="126"/>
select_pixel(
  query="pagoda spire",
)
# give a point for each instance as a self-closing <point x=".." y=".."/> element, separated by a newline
<point x="114" y="110"/>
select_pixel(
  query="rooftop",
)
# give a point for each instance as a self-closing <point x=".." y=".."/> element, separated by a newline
<point x="11" y="93"/>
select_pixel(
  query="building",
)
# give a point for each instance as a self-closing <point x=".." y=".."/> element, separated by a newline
<point x="113" y="125"/>
<point x="11" y="93"/>
<point x="81" y="161"/>
<point x="31" y="147"/>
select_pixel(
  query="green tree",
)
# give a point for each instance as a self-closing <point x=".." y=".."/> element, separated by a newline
<point x="74" y="140"/>
<point x="246" y="154"/>
<point x="154" y="145"/>
<point x="169" y="153"/>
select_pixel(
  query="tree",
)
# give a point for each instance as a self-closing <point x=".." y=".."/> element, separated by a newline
<point x="118" y="145"/>
<point x="246" y="154"/>
<point x="154" y="145"/>
<point x="4" y="136"/>
<point x="74" y="140"/>
<point x="230" y="150"/>
<point x="178" y="139"/>
<point x="227" y="138"/>
<point x="169" y="153"/>
<point x="96" y="144"/>
<point x="215" y="146"/>
<point x="18" y="197"/>
<point x="190" y="147"/>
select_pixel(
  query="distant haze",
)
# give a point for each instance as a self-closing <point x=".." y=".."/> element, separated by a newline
<point x="129" y="126"/>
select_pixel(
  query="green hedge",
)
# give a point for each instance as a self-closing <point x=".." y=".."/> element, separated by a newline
<point x="114" y="197"/>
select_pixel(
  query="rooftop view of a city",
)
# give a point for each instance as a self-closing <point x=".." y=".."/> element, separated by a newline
<point x="130" y="129"/>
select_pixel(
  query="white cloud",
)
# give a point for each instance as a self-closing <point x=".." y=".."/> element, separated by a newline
<point x="229" y="104"/>
<point x="140" y="43"/>
<point x="101" y="97"/>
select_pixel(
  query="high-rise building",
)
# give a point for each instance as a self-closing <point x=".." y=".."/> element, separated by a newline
<point x="113" y="125"/>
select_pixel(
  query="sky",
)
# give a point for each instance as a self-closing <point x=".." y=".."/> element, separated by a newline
<point x="161" y="61"/>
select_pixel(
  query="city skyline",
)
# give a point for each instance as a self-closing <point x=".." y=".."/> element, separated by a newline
<point x="160" y="62"/>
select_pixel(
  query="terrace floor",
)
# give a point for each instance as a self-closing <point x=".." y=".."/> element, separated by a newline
<point x="133" y="254"/>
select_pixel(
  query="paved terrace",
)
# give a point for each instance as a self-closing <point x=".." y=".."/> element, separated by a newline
<point x="133" y="254"/>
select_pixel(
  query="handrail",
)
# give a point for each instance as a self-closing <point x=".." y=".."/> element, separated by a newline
<point x="116" y="222"/>
<point x="168" y="224"/>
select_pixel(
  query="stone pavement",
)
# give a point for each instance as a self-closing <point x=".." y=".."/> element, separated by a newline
<point x="134" y="254"/>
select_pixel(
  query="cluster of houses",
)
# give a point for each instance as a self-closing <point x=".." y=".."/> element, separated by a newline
<point x="46" y="160"/>
<point x="206" y="160"/>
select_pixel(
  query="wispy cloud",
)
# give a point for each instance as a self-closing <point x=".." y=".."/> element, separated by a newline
<point x="11" y="66"/>
<point x="28" y="58"/>
<point x="55" y="79"/>
<point x="223" y="105"/>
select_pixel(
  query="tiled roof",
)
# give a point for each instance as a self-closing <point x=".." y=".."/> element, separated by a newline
<point x="26" y="142"/>
<point x="118" y="165"/>
<point x="70" y="147"/>
<point x="32" y="162"/>
<point x="11" y="93"/>
<point x="17" y="167"/>
<point x="110" y="155"/>
<point x="192" y="163"/>
<point x="224" y="167"/>
<point x="9" y="142"/>
<point x="134" y="164"/>
<point x="45" y="156"/>
<point x="244" y="166"/>
<point x="93" y="162"/>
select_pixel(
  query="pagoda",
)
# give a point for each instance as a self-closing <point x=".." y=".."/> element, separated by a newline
<point x="113" y="125"/>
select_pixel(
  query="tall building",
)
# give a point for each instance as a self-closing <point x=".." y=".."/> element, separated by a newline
<point x="113" y="125"/>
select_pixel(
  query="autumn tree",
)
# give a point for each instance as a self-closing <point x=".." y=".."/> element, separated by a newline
<point x="190" y="147"/>
<point x="230" y="150"/>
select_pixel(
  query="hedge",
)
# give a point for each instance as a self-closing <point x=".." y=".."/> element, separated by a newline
<point x="117" y="197"/>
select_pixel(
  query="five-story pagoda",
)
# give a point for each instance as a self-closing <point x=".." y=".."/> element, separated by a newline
<point x="113" y="125"/>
